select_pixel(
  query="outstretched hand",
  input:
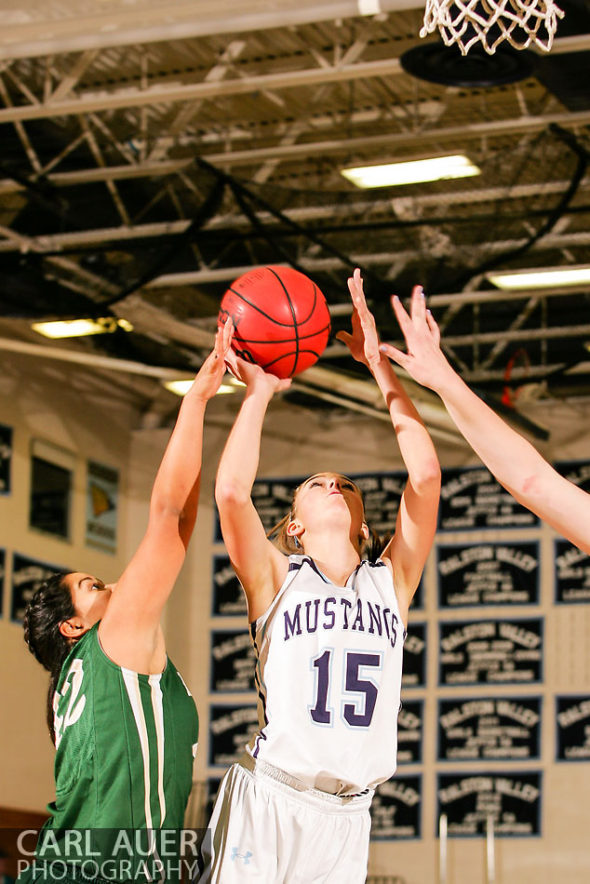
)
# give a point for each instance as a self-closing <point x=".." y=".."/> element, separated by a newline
<point x="424" y="360"/>
<point x="363" y="343"/>
<point x="253" y="375"/>
<point x="210" y="375"/>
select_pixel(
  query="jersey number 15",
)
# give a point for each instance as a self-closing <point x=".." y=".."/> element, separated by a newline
<point x="359" y="712"/>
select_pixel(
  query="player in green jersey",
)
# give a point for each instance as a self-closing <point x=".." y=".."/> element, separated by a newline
<point x="123" y="722"/>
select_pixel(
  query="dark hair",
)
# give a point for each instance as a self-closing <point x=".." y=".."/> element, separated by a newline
<point x="49" y="606"/>
<point x="371" y="549"/>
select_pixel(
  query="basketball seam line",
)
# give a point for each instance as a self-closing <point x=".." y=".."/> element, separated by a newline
<point x="305" y="337"/>
<point x="294" y="317"/>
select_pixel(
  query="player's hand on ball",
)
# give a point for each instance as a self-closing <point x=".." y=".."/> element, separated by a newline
<point x="253" y="375"/>
<point x="211" y="372"/>
<point x="363" y="343"/>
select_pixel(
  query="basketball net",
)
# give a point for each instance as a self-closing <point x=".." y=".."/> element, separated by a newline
<point x="490" y="22"/>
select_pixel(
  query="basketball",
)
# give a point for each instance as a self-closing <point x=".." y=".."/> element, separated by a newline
<point x="281" y="319"/>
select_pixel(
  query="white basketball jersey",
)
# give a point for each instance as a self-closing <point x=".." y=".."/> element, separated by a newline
<point x="328" y="674"/>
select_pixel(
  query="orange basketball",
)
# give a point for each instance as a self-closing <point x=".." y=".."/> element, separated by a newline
<point x="281" y="319"/>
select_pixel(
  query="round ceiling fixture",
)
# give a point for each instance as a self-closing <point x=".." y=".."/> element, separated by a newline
<point x="442" y="64"/>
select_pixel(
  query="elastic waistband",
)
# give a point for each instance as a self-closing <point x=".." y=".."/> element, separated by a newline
<point x="358" y="801"/>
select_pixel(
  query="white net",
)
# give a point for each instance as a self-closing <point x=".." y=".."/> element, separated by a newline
<point x="490" y="22"/>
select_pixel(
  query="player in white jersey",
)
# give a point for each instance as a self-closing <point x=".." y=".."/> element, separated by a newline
<point x="328" y="629"/>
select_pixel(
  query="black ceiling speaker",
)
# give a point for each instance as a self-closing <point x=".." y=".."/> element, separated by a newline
<point x="442" y="64"/>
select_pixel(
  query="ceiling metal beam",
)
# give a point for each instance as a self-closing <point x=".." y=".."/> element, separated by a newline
<point x="492" y="295"/>
<point x="493" y="129"/>
<point x="88" y="102"/>
<point x="135" y="97"/>
<point x="70" y="79"/>
<point x="190" y="108"/>
<point x="52" y="242"/>
<point x="197" y="277"/>
<point x="524" y="373"/>
<point x="95" y="360"/>
<point x="445" y="435"/>
<point x="123" y="25"/>
<point x="109" y="173"/>
<point x="529" y="334"/>
<point x="358" y="205"/>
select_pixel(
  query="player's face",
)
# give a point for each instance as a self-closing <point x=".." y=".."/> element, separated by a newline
<point x="89" y="595"/>
<point x="330" y="492"/>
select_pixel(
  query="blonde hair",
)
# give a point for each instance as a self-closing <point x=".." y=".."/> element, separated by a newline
<point x="369" y="549"/>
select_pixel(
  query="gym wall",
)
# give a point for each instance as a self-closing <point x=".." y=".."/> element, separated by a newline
<point x="545" y="795"/>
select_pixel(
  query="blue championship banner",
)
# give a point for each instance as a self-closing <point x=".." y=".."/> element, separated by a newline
<point x="576" y="471"/>
<point x="512" y="799"/>
<point x="5" y="458"/>
<point x="27" y="576"/>
<point x="471" y="499"/>
<point x="233" y="660"/>
<point x="410" y="729"/>
<point x="491" y="652"/>
<point x="414" y="669"/>
<point x="228" y="596"/>
<point x="489" y="729"/>
<point x="272" y="499"/>
<point x="573" y="727"/>
<point x="230" y="729"/>
<point x="382" y="493"/>
<point x="505" y="573"/>
<point x="395" y="809"/>
<point x="572" y="573"/>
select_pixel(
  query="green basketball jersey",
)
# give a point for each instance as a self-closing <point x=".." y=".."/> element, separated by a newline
<point x="125" y="744"/>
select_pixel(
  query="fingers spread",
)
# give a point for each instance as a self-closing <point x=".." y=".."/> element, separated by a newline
<point x="393" y="353"/>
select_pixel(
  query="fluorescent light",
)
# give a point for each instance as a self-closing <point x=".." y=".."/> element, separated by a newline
<point x="181" y="387"/>
<point x="76" y="328"/>
<point x="543" y="276"/>
<point x="412" y="171"/>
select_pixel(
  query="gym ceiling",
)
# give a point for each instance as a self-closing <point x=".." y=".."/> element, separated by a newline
<point x="153" y="151"/>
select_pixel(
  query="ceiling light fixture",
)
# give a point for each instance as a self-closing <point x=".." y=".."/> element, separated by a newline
<point x="412" y="171"/>
<point x="182" y="386"/>
<point x="76" y="328"/>
<point x="541" y="277"/>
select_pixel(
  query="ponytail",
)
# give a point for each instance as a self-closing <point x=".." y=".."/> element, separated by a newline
<point x="286" y="543"/>
<point x="374" y="546"/>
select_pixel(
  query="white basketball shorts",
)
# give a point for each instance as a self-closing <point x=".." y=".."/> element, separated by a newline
<point x="268" y="828"/>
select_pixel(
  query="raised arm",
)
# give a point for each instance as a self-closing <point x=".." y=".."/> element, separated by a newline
<point x="260" y="567"/>
<point x="416" y="522"/>
<point x="130" y="630"/>
<point x="515" y="463"/>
